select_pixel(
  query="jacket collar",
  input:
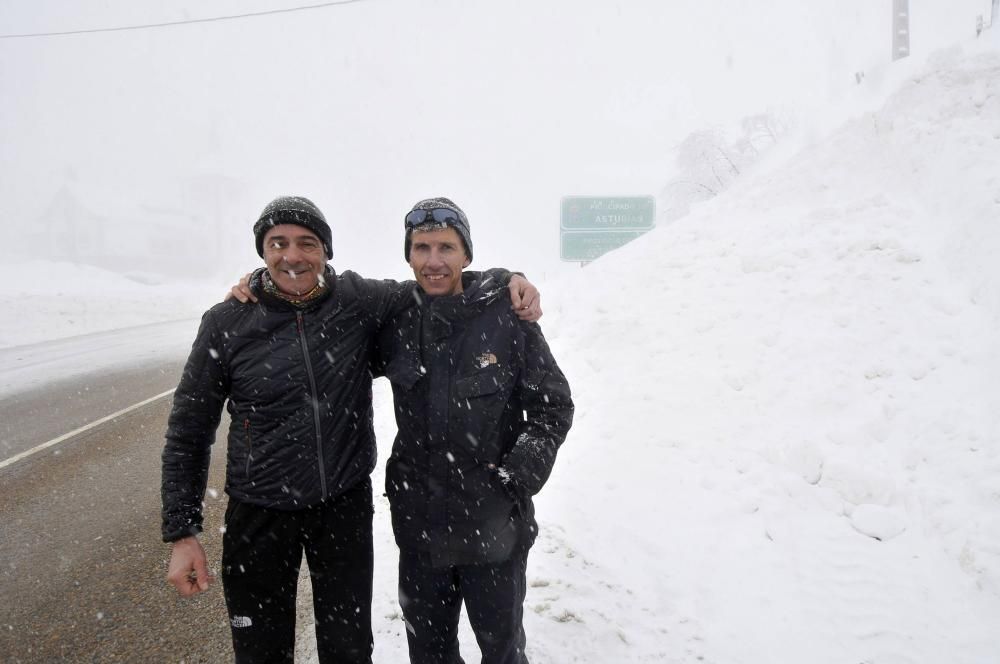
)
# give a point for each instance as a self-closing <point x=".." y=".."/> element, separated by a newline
<point x="441" y="313"/>
<point x="272" y="302"/>
<point x="478" y="293"/>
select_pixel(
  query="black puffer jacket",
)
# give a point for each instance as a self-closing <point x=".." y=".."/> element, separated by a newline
<point x="465" y="462"/>
<point x="298" y="384"/>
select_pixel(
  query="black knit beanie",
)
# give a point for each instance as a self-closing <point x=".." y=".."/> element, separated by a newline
<point x="297" y="210"/>
<point x="461" y="225"/>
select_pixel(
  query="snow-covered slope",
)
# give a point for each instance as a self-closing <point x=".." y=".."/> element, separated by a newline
<point x="47" y="300"/>
<point x="786" y="447"/>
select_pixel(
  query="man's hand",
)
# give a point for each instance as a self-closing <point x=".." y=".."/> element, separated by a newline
<point x="241" y="291"/>
<point x="188" y="571"/>
<point x="525" y="299"/>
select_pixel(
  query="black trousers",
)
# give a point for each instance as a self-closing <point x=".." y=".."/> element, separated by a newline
<point x="431" y="599"/>
<point x="261" y="554"/>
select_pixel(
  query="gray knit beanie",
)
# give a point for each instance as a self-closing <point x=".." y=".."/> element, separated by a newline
<point x="459" y="222"/>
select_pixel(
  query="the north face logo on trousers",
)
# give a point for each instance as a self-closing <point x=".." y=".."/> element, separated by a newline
<point x="241" y="621"/>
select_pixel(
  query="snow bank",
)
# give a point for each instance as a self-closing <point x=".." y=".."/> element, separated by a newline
<point x="786" y="446"/>
<point x="48" y="300"/>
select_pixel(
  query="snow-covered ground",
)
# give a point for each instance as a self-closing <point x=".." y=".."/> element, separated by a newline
<point x="63" y="320"/>
<point x="47" y="300"/>
<point x="787" y="445"/>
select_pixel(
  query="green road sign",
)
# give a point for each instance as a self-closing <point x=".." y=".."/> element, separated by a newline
<point x="592" y="226"/>
<point x="589" y="245"/>
<point x="588" y="213"/>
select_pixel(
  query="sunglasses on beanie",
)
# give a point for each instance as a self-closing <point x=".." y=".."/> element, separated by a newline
<point x="440" y="215"/>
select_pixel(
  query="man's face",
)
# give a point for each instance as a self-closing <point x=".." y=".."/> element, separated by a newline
<point x="295" y="258"/>
<point x="437" y="258"/>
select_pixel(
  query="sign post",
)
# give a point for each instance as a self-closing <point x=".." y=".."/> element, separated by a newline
<point x="900" y="29"/>
<point x="591" y="226"/>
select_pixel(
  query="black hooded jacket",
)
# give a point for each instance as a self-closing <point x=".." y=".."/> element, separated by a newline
<point x="481" y="409"/>
<point x="298" y="385"/>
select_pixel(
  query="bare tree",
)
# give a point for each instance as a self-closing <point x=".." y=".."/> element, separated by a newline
<point x="708" y="161"/>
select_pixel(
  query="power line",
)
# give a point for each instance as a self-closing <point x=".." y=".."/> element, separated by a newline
<point x="172" y="23"/>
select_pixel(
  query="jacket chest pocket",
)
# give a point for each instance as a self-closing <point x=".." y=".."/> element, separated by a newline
<point x="482" y="383"/>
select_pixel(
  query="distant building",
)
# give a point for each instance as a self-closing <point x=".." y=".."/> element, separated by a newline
<point x="119" y="231"/>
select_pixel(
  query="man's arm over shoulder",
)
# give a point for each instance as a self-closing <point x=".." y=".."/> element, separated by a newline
<point x="384" y="299"/>
<point x="381" y="299"/>
<point x="197" y="409"/>
<point x="545" y="396"/>
<point x="525" y="299"/>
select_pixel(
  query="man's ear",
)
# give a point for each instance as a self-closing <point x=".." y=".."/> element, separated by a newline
<point x="466" y="263"/>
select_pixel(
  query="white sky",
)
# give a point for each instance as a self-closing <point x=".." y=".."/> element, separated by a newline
<point x="178" y="136"/>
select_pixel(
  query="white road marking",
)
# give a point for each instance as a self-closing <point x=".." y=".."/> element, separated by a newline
<point x="55" y="441"/>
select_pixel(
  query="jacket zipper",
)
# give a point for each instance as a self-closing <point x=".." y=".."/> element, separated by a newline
<point x="246" y="430"/>
<point x="315" y="404"/>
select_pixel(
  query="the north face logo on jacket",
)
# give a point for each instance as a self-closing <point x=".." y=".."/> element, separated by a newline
<point x="485" y="360"/>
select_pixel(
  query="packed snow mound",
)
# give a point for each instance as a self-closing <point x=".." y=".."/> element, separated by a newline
<point x="786" y="445"/>
<point x="49" y="300"/>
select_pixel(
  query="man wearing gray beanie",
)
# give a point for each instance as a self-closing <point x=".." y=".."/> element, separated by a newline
<point x="481" y="410"/>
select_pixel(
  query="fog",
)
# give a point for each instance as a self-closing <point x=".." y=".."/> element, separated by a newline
<point x="151" y="151"/>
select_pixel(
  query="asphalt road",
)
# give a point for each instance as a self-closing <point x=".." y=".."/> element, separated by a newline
<point x="51" y="388"/>
<point x="82" y="577"/>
